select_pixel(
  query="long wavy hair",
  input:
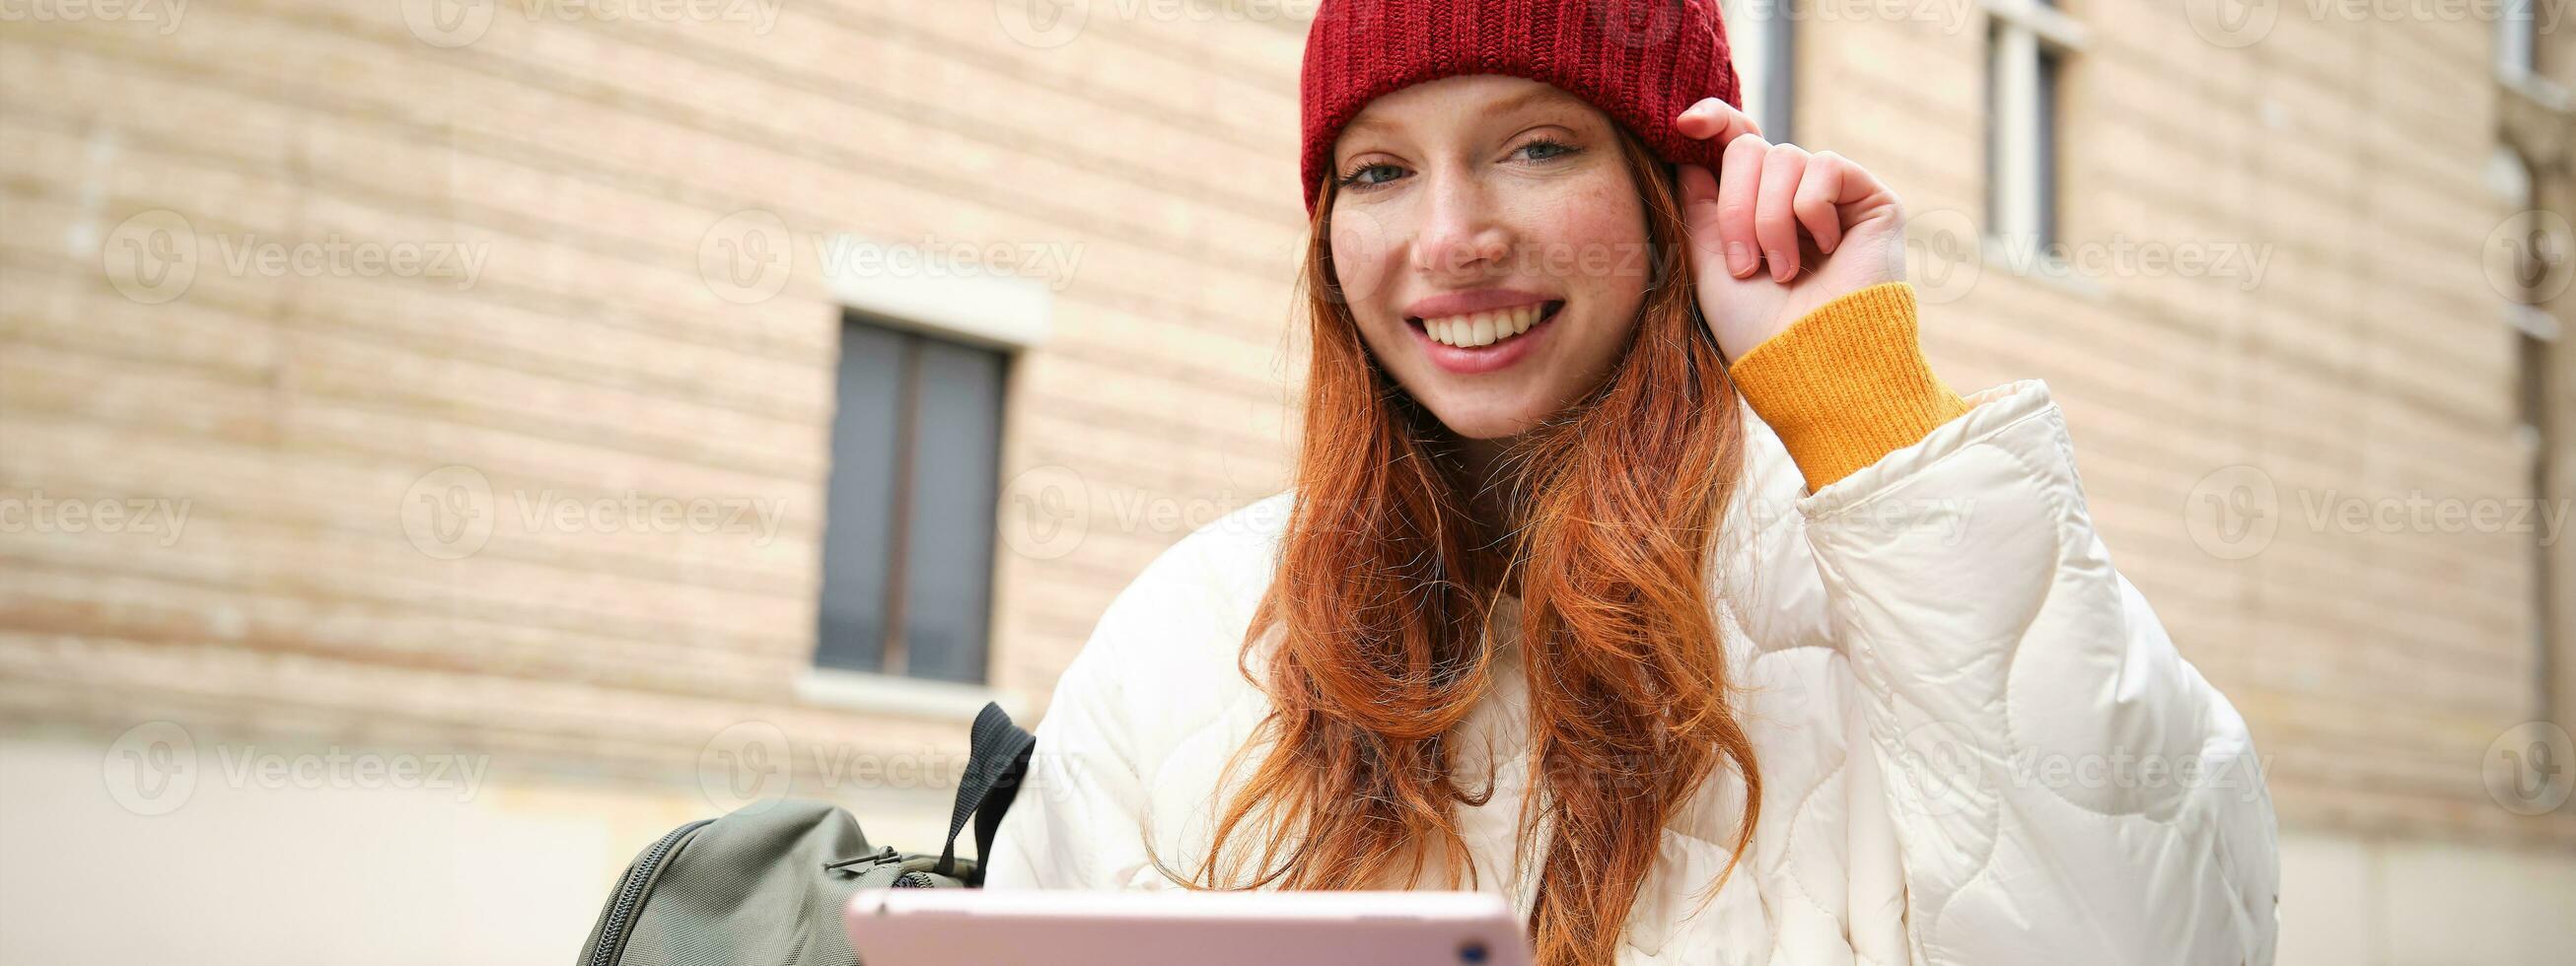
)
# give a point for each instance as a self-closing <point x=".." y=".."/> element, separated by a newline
<point x="1386" y="582"/>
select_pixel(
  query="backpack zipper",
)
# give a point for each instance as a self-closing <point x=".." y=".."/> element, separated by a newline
<point x="630" y="895"/>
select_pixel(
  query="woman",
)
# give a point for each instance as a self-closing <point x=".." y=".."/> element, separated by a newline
<point x="1640" y="570"/>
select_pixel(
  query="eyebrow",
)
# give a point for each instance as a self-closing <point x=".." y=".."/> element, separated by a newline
<point x="1549" y="96"/>
<point x="1532" y="96"/>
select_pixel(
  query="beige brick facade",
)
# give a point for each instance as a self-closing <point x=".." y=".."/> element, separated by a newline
<point x="293" y="267"/>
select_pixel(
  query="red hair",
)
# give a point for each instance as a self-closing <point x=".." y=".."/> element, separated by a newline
<point x="1385" y="582"/>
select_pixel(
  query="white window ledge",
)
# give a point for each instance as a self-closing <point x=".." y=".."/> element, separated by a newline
<point x="947" y="290"/>
<point x="900" y="696"/>
<point x="2022" y="260"/>
<point x="2537" y="89"/>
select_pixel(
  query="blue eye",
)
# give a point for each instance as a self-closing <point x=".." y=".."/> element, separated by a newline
<point x="1544" y="149"/>
<point x="1371" y="175"/>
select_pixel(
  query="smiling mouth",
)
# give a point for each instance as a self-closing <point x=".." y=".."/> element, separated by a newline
<point x="1480" y="329"/>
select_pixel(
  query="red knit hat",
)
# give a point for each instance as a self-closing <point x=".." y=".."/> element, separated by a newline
<point x="1640" y="61"/>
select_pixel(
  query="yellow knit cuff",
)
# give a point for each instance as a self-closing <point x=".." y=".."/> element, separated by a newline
<point x="1847" y="385"/>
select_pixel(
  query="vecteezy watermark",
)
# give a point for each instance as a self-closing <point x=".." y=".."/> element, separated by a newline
<point x="456" y="23"/>
<point x="1047" y="24"/>
<point x="1950" y="17"/>
<point x="2232" y="23"/>
<point x="1942" y="520"/>
<point x="2531" y="768"/>
<point x="2243" y="23"/>
<point x="2236" y="511"/>
<point x="155" y="255"/>
<point x="1652" y="24"/>
<point x="164" y="14"/>
<point x="450" y="513"/>
<point x="748" y="257"/>
<point x="2233" y="512"/>
<point x="752" y="765"/>
<point x="1947" y="254"/>
<point x="2530" y="256"/>
<point x="1943" y="768"/>
<point x="933" y="257"/>
<point x="1046" y="512"/>
<point x="747" y="767"/>
<point x="1360" y="244"/>
<point x="1944" y="256"/>
<point x="2123" y="257"/>
<point x="154" y="768"/>
<point x="34" y="512"/>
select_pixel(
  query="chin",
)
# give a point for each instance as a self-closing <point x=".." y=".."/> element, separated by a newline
<point x="1485" y="421"/>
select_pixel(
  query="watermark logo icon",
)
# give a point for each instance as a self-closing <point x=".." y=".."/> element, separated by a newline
<point x="1943" y="257"/>
<point x="745" y="258"/>
<point x="1046" y="512"/>
<point x="1638" y="24"/>
<point x="745" y="767"/>
<point x="2232" y="24"/>
<point x="448" y="23"/>
<point x="2531" y="768"/>
<point x="2233" y="512"/>
<point x="448" y="513"/>
<point x="1043" y="24"/>
<point x="151" y="258"/>
<point x="151" y="769"/>
<point x="1942" y="767"/>
<point x="2528" y="257"/>
<point x="1359" y="240"/>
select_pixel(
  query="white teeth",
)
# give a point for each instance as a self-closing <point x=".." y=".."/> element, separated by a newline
<point x="1482" y="328"/>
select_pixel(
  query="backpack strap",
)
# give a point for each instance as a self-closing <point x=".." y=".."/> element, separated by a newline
<point x="997" y="758"/>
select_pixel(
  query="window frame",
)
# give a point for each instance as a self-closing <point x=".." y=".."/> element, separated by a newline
<point x="2029" y="46"/>
<point x="1012" y="315"/>
<point x="1763" y="40"/>
<point x="2517" y="50"/>
<point x="915" y="350"/>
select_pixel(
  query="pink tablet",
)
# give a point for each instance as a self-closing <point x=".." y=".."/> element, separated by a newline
<point x="975" y="927"/>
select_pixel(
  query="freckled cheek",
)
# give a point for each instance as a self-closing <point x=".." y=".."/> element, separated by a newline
<point x="1587" y="250"/>
<point x="1362" y="260"/>
<point x="1589" y="235"/>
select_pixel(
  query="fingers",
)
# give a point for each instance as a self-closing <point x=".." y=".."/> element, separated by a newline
<point x="1699" y="213"/>
<point x="1714" y="119"/>
<point x="1739" y="186"/>
<point x="1763" y="195"/>
<point x="1817" y="198"/>
<point x="1775" y="221"/>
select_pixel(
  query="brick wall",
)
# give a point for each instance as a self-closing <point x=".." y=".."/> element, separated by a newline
<point x="576" y="170"/>
<point x="579" y="339"/>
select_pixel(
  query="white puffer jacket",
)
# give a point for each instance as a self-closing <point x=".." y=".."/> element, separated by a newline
<point x="1978" y="746"/>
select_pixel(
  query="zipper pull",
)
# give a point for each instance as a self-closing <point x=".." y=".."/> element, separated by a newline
<point x="882" y="855"/>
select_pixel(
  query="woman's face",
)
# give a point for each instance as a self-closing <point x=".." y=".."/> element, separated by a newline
<point x="1492" y="245"/>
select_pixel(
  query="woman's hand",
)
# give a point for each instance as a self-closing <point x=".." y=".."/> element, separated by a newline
<point x="1780" y="231"/>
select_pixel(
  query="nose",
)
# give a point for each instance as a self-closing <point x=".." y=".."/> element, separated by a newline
<point x="1463" y="235"/>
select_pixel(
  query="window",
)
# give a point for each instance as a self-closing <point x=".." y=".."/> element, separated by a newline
<point x="2528" y="270"/>
<point x="2028" y="42"/>
<point x="2516" y="39"/>
<point x="2540" y="443"/>
<point x="1760" y="35"/>
<point x="908" y="539"/>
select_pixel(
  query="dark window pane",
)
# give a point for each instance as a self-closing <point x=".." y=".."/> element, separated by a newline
<point x="2541" y="438"/>
<point x="1779" y="70"/>
<point x="1995" y="107"/>
<point x="956" y="466"/>
<point x="859" y="515"/>
<point x="2050" y="69"/>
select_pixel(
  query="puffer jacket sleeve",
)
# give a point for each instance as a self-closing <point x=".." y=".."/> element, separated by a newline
<point x="1076" y="821"/>
<point x="2063" y="786"/>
